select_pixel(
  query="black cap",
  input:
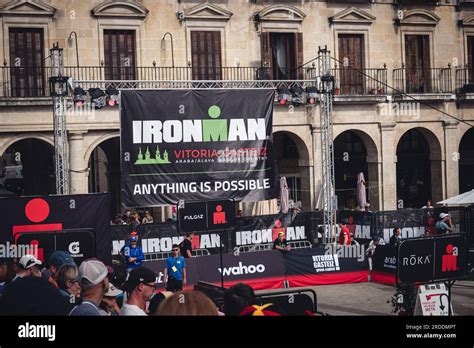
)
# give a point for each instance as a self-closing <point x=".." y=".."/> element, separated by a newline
<point x="137" y="276"/>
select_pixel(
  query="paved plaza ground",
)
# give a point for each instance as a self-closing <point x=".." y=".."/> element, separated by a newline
<point x="371" y="298"/>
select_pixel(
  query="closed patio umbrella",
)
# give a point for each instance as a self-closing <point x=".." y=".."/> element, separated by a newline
<point x="284" y="195"/>
<point x="361" y="195"/>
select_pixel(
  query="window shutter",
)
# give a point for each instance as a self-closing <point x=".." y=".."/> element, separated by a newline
<point x="27" y="62"/>
<point x="351" y="52"/>
<point x="119" y="54"/>
<point x="265" y="72"/>
<point x="299" y="54"/>
<point x="470" y="62"/>
<point x="206" y="55"/>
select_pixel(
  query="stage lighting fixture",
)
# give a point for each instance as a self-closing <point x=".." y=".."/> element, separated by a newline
<point x="297" y="95"/>
<point x="283" y="95"/>
<point x="98" y="97"/>
<point x="112" y="96"/>
<point x="311" y="95"/>
<point x="79" y="96"/>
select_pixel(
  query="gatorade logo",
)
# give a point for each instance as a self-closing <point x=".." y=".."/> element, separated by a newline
<point x="241" y="269"/>
<point x="186" y="131"/>
<point x="74" y="248"/>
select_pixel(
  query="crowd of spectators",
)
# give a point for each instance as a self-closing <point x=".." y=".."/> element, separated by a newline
<point x="60" y="287"/>
<point x="133" y="218"/>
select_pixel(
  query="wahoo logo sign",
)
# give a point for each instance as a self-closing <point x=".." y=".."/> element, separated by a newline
<point x="196" y="145"/>
<point x="241" y="269"/>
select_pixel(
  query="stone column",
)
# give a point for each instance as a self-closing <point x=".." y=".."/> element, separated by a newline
<point x="317" y="172"/>
<point x="388" y="173"/>
<point x="79" y="173"/>
<point x="451" y="136"/>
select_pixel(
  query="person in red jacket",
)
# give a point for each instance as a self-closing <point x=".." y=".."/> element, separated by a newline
<point x="345" y="235"/>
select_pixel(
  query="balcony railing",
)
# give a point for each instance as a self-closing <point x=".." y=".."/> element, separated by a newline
<point x="423" y="80"/>
<point x="360" y="82"/>
<point x="24" y="82"/>
<point x="464" y="80"/>
<point x="33" y="82"/>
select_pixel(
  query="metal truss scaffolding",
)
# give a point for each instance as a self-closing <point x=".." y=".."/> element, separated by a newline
<point x="323" y="81"/>
<point x="58" y="85"/>
<point x="194" y="84"/>
<point x="326" y="89"/>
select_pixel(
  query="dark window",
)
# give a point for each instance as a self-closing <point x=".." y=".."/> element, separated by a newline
<point x="466" y="162"/>
<point x="282" y="56"/>
<point x="27" y="62"/>
<point x="350" y="158"/>
<point x="470" y="58"/>
<point x="351" y="53"/>
<point x="413" y="169"/>
<point x="119" y="52"/>
<point x="417" y="59"/>
<point x="206" y="55"/>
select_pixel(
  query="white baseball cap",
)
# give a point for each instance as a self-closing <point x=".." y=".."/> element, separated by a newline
<point x="28" y="261"/>
<point x="91" y="273"/>
<point x="113" y="291"/>
<point x="443" y="215"/>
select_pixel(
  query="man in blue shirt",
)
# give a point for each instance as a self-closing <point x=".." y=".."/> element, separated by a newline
<point x="133" y="254"/>
<point x="175" y="271"/>
<point x="445" y="225"/>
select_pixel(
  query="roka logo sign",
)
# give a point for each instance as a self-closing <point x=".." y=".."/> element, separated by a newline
<point x="414" y="260"/>
<point x="449" y="261"/>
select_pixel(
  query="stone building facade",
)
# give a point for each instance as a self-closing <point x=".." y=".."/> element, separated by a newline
<point x="408" y="149"/>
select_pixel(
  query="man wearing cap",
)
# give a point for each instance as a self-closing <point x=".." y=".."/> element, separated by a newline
<point x="133" y="254"/>
<point x="445" y="225"/>
<point x="109" y="305"/>
<point x="55" y="261"/>
<point x="140" y="287"/>
<point x="95" y="284"/>
<point x="280" y="243"/>
<point x="175" y="271"/>
<point x="28" y="266"/>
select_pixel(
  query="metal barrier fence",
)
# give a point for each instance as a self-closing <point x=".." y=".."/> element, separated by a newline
<point x="299" y="244"/>
<point x="165" y="255"/>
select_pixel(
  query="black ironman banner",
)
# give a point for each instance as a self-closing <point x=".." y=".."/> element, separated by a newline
<point x="196" y="145"/>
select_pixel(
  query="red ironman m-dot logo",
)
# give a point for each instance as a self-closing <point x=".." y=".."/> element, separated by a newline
<point x="37" y="210"/>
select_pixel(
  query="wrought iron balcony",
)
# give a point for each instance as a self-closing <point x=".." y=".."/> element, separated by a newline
<point x="351" y="82"/>
<point x="416" y="80"/>
<point x="464" y="80"/>
<point x="33" y="82"/>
